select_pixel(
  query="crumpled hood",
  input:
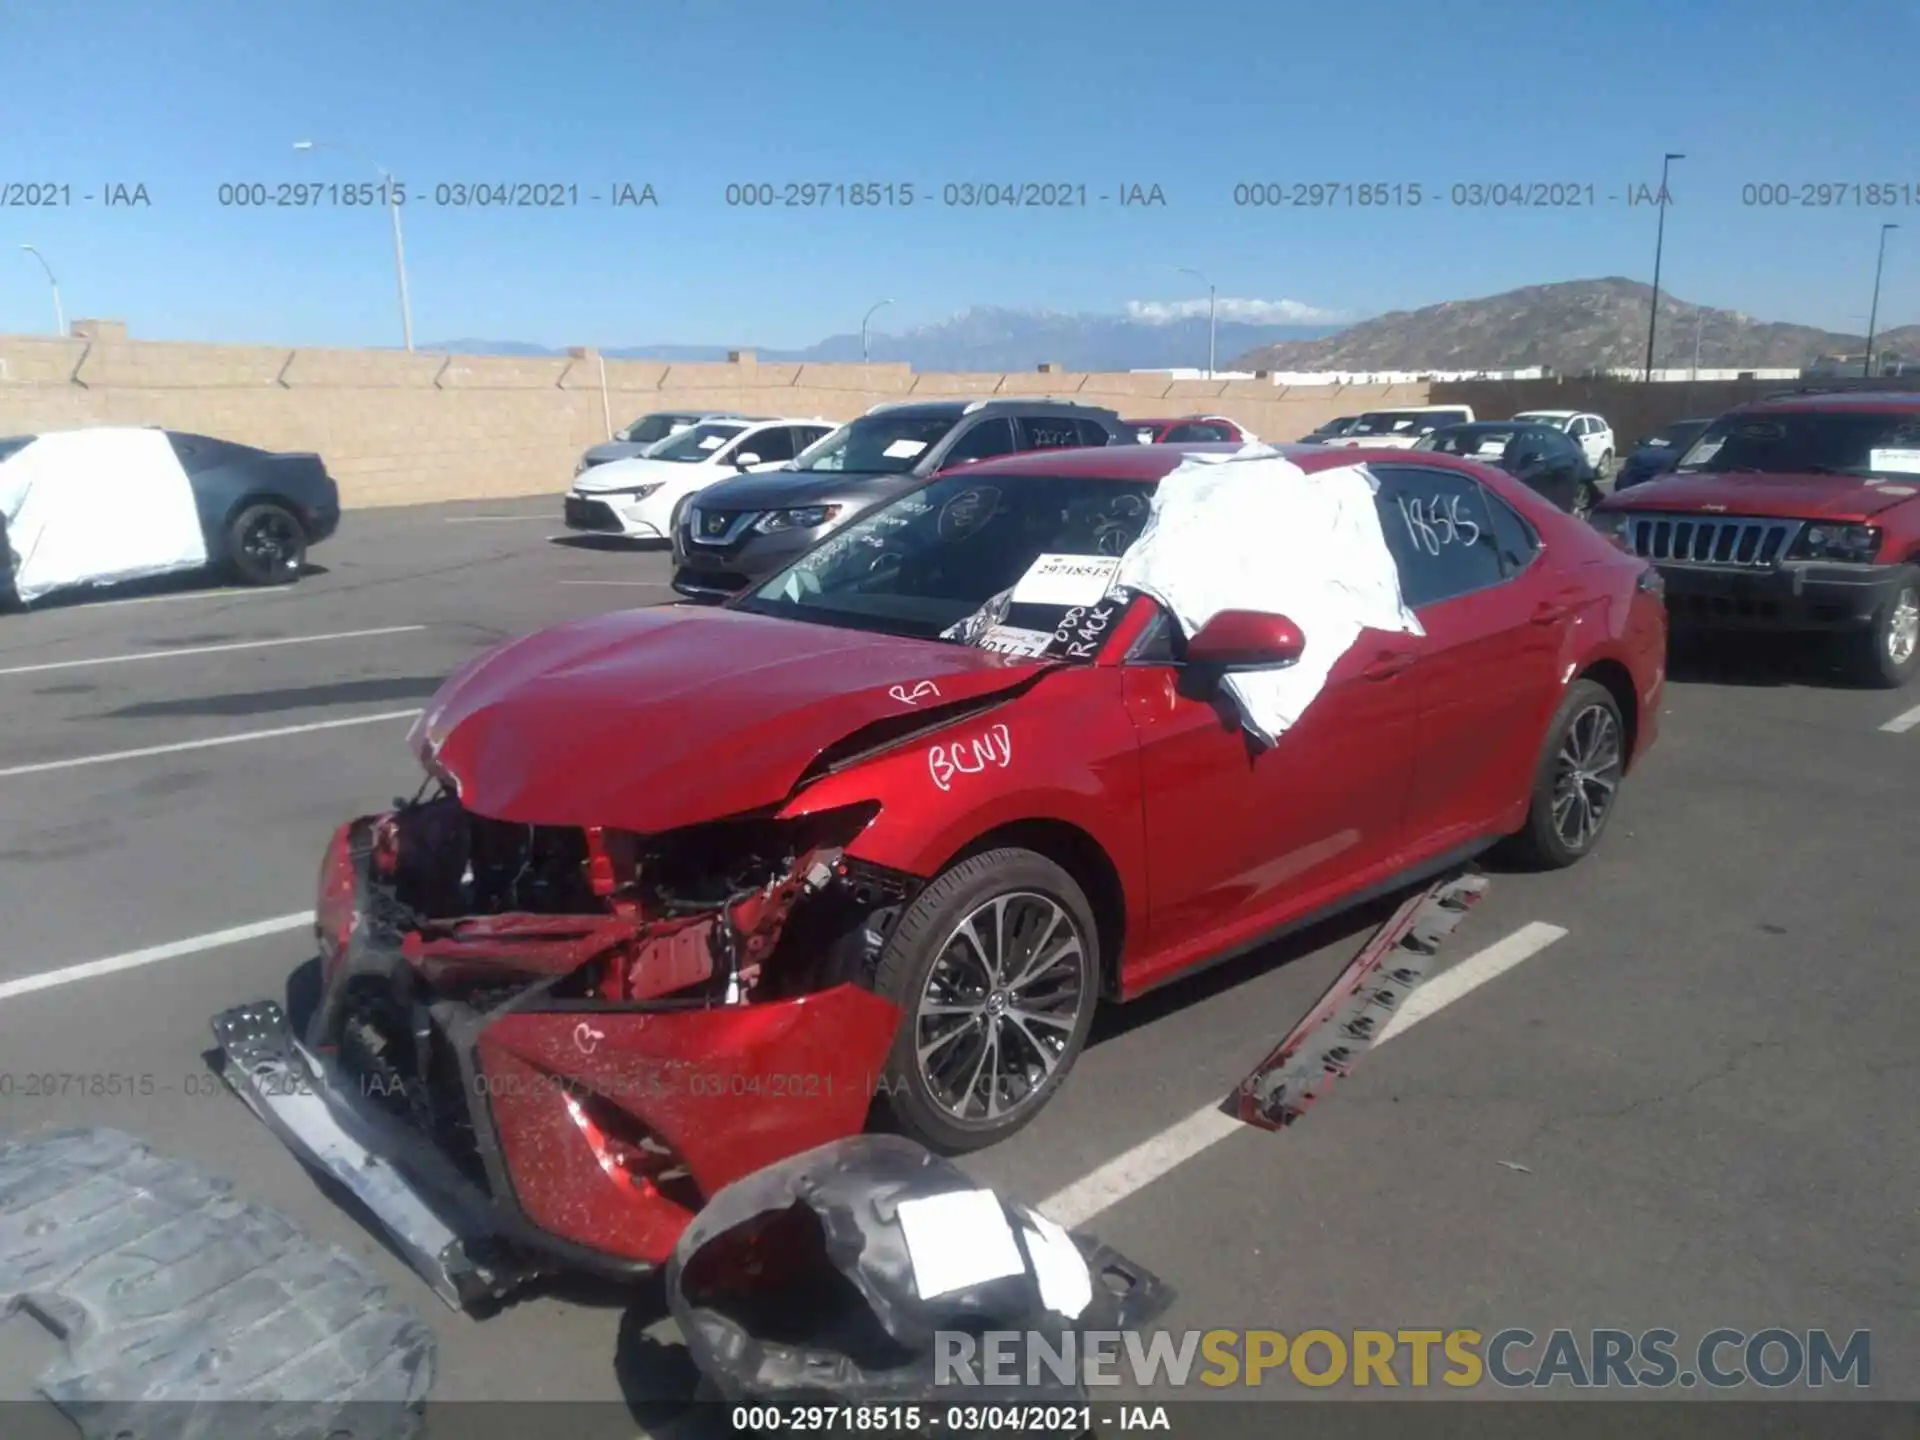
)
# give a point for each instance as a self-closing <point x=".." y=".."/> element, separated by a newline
<point x="647" y="720"/>
<point x="1798" y="497"/>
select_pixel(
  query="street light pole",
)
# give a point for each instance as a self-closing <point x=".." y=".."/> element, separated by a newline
<point x="1659" y="244"/>
<point x="863" y="327"/>
<point x="1873" y="314"/>
<point x="59" y="315"/>
<point x="1183" y="270"/>
<point x="393" y="211"/>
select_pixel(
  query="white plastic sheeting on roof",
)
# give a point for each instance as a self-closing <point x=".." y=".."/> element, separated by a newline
<point x="92" y="507"/>
<point x="1253" y="531"/>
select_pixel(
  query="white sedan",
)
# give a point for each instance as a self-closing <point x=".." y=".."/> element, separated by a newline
<point x="1593" y="435"/>
<point x="640" y="497"/>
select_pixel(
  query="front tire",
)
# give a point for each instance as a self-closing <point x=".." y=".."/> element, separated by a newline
<point x="1577" y="781"/>
<point x="267" y="544"/>
<point x="996" y="968"/>
<point x="1887" y="654"/>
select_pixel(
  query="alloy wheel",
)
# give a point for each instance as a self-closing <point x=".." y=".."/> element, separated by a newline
<point x="1586" y="774"/>
<point x="1903" y="627"/>
<point x="271" y="541"/>
<point x="1000" y="1007"/>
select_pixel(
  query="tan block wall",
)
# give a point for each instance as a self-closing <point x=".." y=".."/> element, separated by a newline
<point x="399" y="429"/>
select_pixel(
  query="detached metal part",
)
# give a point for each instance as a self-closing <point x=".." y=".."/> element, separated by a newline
<point x="1357" y="1007"/>
<point x="284" y="1083"/>
<point x="799" y="1283"/>
<point x="189" y="1314"/>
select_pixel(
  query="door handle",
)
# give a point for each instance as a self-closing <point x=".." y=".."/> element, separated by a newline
<point x="1549" y="611"/>
<point x="1388" y="664"/>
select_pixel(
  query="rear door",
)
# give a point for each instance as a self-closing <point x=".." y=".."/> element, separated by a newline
<point x="1497" y="616"/>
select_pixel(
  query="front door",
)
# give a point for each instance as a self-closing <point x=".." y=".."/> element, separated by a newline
<point x="1242" y="837"/>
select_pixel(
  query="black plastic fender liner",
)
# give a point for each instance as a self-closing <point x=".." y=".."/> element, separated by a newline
<point x="798" y="1283"/>
<point x="190" y="1314"/>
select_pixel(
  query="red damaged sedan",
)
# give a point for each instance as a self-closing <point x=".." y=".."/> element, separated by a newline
<point x="690" y="889"/>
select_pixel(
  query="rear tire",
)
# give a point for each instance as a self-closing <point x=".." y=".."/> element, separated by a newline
<point x="1577" y="782"/>
<point x="995" y="967"/>
<point x="267" y="544"/>
<point x="1886" y="655"/>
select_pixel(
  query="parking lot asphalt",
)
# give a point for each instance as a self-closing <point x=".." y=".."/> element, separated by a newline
<point x="1682" y="1096"/>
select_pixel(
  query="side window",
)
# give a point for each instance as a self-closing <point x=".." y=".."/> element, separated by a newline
<point x="773" y="443"/>
<point x="993" y="436"/>
<point x="1439" y="532"/>
<point x="1159" y="643"/>
<point x="1092" y="433"/>
<point x="1513" y="537"/>
<point x="1051" y="432"/>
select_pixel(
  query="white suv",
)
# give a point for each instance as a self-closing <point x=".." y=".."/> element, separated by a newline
<point x="1590" y="432"/>
<point x="641" y="497"/>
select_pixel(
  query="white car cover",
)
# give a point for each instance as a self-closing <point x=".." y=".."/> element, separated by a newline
<point x="1253" y="531"/>
<point x="92" y="507"/>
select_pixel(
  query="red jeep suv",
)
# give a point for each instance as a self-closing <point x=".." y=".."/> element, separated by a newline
<point x="1801" y="512"/>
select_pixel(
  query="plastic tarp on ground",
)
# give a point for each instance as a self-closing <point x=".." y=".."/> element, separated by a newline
<point x="1253" y="531"/>
<point x="98" y="506"/>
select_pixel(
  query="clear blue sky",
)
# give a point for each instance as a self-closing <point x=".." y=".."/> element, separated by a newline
<point x="689" y="95"/>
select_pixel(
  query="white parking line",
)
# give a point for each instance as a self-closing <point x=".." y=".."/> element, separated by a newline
<point x="178" y="746"/>
<point x="133" y="959"/>
<point x="1146" y="1162"/>
<point x="1902" y="723"/>
<point x="209" y="649"/>
<point x="231" y="592"/>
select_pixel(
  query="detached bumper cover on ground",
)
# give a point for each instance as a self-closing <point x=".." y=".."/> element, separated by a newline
<point x="828" y="1279"/>
<point x="176" y="1300"/>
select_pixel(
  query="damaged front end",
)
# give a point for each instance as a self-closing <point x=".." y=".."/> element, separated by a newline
<point x="540" y="1048"/>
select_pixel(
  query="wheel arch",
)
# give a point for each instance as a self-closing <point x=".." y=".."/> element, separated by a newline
<point x="263" y="497"/>
<point x="1614" y="677"/>
<point x="1081" y="856"/>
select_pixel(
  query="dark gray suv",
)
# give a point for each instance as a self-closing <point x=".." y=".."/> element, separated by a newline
<point x="742" y="529"/>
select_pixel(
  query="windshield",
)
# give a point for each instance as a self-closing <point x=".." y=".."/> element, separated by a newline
<point x="13" y="444"/>
<point x="1018" y="565"/>
<point x="695" y="443"/>
<point x="649" y="428"/>
<point x="1838" y="442"/>
<point x="1389" y="422"/>
<point x="1680" y="435"/>
<point x="1466" y="441"/>
<point x="878" y="444"/>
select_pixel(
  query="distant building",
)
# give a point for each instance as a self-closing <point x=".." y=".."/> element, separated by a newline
<point x="1401" y="377"/>
<point x="1686" y="374"/>
<point x="1188" y="372"/>
<point x="1841" y="367"/>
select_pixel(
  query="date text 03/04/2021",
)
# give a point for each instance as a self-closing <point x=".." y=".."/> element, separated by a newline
<point x="970" y="1419"/>
<point x="952" y="195"/>
<point x="445" y="195"/>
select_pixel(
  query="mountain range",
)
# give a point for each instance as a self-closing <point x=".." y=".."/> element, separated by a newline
<point x="987" y="337"/>
<point x="1571" y="327"/>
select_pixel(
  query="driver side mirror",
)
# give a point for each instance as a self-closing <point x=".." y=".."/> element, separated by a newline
<point x="1242" y="640"/>
<point x="741" y="462"/>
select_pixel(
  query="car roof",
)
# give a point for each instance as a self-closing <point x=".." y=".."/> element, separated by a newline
<point x="1556" y="414"/>
<point x="1408" y="410"/>
<point x="955" y="409"/>
<point x="1514" y="424"/>
<point x="1137" y="463"/>
<point x="1884" y="401"/>
<point x="1175" y="419"/>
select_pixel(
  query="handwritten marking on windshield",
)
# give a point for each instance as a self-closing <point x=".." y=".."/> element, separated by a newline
<point x="914" y="696"/>
<point x="1426" y="522"/>
<point x="970" y="757"/>
<point x="1081" y="628"/>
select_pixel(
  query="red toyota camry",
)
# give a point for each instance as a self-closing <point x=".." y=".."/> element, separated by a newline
<point x="689" y="890"/>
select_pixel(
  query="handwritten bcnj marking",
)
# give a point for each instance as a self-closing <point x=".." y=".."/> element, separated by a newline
<point x="970" y="757"/>
<point x="917" y="694"/>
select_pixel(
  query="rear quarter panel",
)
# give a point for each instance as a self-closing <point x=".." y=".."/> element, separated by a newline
<point x="238" y="478"/>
